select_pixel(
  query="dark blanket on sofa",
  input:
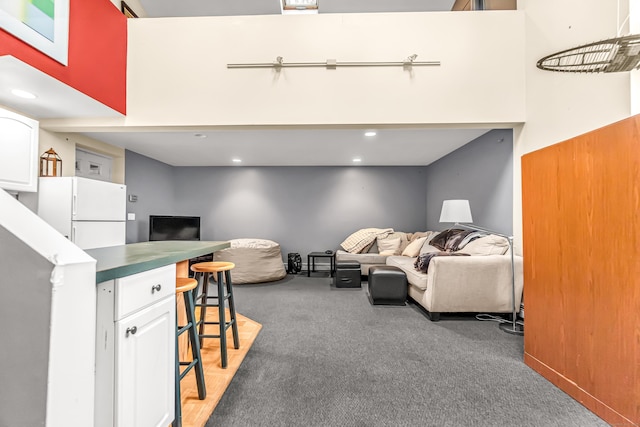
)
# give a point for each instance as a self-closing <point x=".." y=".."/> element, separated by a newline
<point x="422" y="262"/>
<point x="454" y="239"/>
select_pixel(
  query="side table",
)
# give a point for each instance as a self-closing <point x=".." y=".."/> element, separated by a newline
<point x="311" y="261"/>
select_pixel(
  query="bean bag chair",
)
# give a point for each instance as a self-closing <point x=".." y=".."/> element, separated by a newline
<point x="256" y="260"/>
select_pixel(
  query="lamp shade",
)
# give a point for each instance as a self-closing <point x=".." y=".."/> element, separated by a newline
<point x="455" y="211"/>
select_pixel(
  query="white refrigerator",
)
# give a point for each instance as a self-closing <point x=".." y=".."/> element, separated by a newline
<point x="88" y="212"/>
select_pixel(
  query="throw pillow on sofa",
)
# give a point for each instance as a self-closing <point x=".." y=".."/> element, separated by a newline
<point x="389" y="246"/>
<point x="413" y="249"/>
<point x="404" y="239"/>
<point x="488" y="245"/>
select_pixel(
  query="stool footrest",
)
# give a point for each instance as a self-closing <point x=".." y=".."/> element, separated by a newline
<point x="188" y="365"/>
<point x="200" y="304"/>
<point x="227" y="325"/>
<point x="229" y="322"/>
<point x="185" y="328"/>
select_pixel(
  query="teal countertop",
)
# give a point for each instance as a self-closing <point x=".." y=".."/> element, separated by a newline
<point x="120" y="261"/>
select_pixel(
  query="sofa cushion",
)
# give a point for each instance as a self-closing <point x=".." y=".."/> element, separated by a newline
<point x="414" y="277"/>
<point x="488" y="245"/>
<point x="413" y="249"/>
<point x="404" y="239"/>
<point x="389" y="246"/>
<point x="361" y="258"/>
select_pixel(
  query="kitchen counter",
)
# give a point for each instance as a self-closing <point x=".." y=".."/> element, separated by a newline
<point x="119" y="261"/>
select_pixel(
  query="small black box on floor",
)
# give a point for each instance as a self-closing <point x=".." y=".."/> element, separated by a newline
<point x="387" y="285"/>
<point x="347" y="274"/>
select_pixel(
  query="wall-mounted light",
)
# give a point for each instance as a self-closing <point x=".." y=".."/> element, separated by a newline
<point x="357" y="160"/>
<point x="370" y="133"/>
<point x="236" y="160"/>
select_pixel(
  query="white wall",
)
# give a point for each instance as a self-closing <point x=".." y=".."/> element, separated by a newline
<point x="178" y="75"/>
<point x="563" y="105"/>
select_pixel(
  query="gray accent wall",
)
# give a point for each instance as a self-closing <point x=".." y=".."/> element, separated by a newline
<point x="153" y="184"/>
<point x="481" y="172"/>
<point x="304" y="209"/>
<point x="309" y="209"/>
<point x="24" y="374"/>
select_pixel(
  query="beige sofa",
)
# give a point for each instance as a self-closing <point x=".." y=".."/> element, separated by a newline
<point x="469" y="284"/>
<point x="479" y="282"/>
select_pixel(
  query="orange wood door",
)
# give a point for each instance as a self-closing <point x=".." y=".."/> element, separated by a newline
<point x="581" y="247"/>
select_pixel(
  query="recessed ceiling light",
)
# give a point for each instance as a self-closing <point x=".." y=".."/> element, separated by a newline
<point x="236" y="160"/>
<point x="23" y="94"/>
<point x="357" y="160"/>
<point x="370" y="133"/>
<point x="199" y="135"/>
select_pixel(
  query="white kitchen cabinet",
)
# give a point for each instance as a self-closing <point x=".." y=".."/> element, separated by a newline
<point x="19" y="148"/>
<point x="135" y="350"/>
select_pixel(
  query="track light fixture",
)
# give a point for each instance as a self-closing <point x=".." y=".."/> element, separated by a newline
<point x="332" y="64"/>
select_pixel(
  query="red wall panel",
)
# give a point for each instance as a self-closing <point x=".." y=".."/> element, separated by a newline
<point x="97" y="52"/>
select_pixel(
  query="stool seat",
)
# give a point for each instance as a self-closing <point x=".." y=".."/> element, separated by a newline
<point x="212" y="267"/>
<point x="184" y="284"/>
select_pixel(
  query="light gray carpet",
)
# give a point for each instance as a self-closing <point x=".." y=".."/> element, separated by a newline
<point x="326" y="357"/>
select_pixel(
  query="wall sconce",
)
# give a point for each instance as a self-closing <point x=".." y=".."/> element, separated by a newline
<point x="50" y="163"/>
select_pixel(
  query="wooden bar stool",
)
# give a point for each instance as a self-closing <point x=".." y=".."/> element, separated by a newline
<point x="185" y="287"/>
<point x="205" y="270"/>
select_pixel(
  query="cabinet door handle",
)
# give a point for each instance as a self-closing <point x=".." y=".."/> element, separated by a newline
<point x="131" y="331"/>
<point x="156" y="288"/>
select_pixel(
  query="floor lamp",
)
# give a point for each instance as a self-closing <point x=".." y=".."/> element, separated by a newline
<point x="459" y="212"/>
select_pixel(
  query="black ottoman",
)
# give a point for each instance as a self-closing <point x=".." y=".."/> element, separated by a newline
<point x="387" y="285"/>
<point x="347" y="274"/>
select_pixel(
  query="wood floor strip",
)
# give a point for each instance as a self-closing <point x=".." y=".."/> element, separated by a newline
<point x="195" y="412"/>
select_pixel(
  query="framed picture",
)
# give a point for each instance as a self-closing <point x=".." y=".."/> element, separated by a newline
<point x="42" y="24"/>
<point x="128" y="12"/>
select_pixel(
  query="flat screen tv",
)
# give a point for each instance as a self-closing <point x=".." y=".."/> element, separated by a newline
<point x="165" y="227"/>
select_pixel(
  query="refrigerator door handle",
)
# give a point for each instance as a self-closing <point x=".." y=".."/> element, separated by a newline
<point x="73" y="233"/>
<point x="74" y="205"/>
